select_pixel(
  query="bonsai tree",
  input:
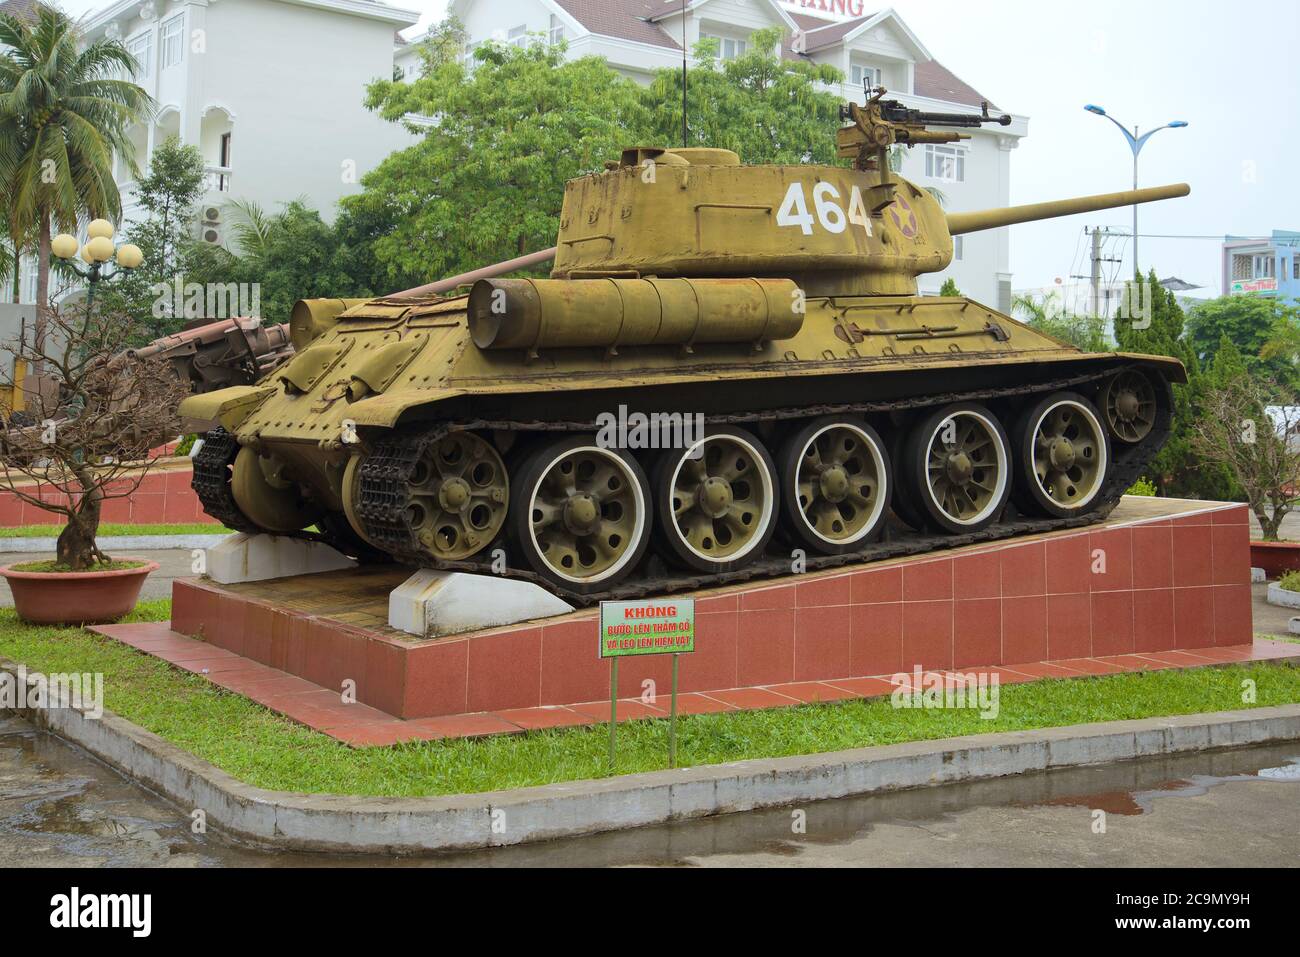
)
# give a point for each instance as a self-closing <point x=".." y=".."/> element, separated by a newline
<point x="92" y="424"/>
<point x="1252" y="425"/>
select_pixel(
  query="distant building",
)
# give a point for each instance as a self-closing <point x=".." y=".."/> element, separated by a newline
<point x="639" y="37"/>
<point x="1263" y="267"/>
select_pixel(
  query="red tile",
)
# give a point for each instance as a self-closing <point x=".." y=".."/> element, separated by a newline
<point x="1193" y="559"/>
<point x="701" y="704"/>
<point x="765" y="648"/>
<point x="877" y="632"/>
<point x="928" y="580"/>
<point x="1024" y="570"/>
<point x="179" y="509"/>
<point x="1069" y="627"/>
<point x="1199" y="517"/>
<point x="332" y="656"/>
<point x="435" y="679"/>
<point x="227" y="629"/>
<point x="385" y="683"/>
<point x="148" y="509"/>
<point x="811" y="692"/>
<point x="1153" y="547"/>
<point x="713" y="665"/>
<point x="977" y="633"/>
<point x="865" y="687"/>
<point x="877" y="585"/>
<point x="505" y="670"/>
<point x="1231" y="554"/>
<point x="1193" y="617"/>
<point x="977" y="575"/>
<point x="461" y="726"/>
<point x="1233" y="623"/>
<point x="257" y="631"/>
<point x="281" y="622"/>
<point x="1136" y="662"/>
<point x="1237" y="515"/>
<point x="1153" y="620"/>
<point x="1043" y="669"/>
<point x="1024" y="629"/>
<point x="649" y="678"/>
<point x="751" y="698"/>
<point x="823" y="592"/>
<point x="571" y="667"/>
<point x="927" y="634"/>
<point x="822" y="643"/>
<point x="177" y="481"/>
<point x="1111" y="563"/>
<point x="627" y="710"/>
<point x="548" y="716"/>
<point x="1090" y="666"/>
<point x="1069" y="565"/>
<point x="295" y="652"/>
<point x="1112" y="623"/>
<point x="717" y="604"/>
<point x="777" y="598"/>
<point x="1006" y="676"/>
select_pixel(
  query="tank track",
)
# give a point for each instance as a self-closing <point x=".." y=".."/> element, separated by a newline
<point x="211" y="480"/>
<point x="382" y="495"/>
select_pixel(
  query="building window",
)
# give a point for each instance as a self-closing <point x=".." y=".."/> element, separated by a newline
<point x="1263" y="267"/>
<point x="141" y="48"/>
<point x="945" y="163"/>
<point x="728" y="49"/>
<point x="1295" y="268"/>
<point x="958" y="248"/>
<point x="556" y="33"/>
<point x="868" y="75"/>
<point x="518" y="36"/>
<point x="172" y="41"/>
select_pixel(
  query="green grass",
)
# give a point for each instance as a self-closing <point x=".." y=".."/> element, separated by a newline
<point x="270" y="751"/>
<point x="108" y="529"/>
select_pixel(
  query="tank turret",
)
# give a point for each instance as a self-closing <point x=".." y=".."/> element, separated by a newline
<point x="727" y="363"/>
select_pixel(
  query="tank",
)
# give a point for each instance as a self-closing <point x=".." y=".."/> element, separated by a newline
<point x="729" y="374"/>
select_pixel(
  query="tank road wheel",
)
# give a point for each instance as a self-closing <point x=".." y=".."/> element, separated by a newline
<point x="581" y="513"/>
<point x="271" y="501"/>
<point x="716" y="501"/>
<point x="1129" y="403"/>
<point x="1062" y="455"/>
<point x="835" y="484"/>
<point x="958" y="463"/>
<point x="459" y="492"/>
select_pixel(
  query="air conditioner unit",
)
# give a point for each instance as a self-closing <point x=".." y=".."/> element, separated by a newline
<point x="211" y="234"/>
<point x="212" y="214"/>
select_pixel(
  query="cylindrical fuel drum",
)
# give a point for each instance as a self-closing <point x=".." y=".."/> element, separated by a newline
<point x="538" y="314"/>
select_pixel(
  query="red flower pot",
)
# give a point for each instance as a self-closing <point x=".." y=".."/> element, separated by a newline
<point x="76" y="598"/>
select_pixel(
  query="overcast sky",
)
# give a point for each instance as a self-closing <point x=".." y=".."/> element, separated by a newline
<point x="1227" y="69"/>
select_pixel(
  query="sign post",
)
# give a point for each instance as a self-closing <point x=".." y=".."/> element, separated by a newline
<point x="631" y="629"/>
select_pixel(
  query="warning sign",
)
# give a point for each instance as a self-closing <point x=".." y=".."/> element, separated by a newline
<point x="651" y="627"/>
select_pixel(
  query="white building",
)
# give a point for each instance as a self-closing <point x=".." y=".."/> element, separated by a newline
<point x="638" y="37"/>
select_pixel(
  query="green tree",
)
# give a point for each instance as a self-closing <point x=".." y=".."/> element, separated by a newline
<point x="1049" y="315"/>
<point x="766" y="108"/>
<point x="486" y="180"/>
<point x="63" y="115"/>
<point x="167" y="195"/>
<point x="1261" y="328"/>
<point x="949" y="288"/>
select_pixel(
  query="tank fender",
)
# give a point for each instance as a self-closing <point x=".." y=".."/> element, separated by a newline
<point x="1172" y="368"/>
<point x="225" y="407"/>
<point x="385" y="411"/>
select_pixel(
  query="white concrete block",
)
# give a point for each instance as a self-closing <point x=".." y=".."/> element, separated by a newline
<point x="1258" y="576"/>
<point x="1293" y="626"/>
<point x="447" y="603"/>
<point x="256" y="558"/>
<point x="1277" y="595"/>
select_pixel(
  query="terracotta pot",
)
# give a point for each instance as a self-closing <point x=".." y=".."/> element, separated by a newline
<point x="76" y="598"/>
<point x="1276" y="558"/>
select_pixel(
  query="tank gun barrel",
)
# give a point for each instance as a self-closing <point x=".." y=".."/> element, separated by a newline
<point x="960" y="223"/>
<point x="487" y="272"/>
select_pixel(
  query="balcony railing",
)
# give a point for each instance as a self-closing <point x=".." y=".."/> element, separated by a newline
<point x="216" y="179"/>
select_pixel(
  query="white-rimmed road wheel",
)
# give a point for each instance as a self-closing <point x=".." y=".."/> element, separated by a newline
<point x="1062" y="456"/>
<point x="958" y="462"/>
<point x="835" y="484"/>
<point x="580" y="514"/>
<point x="716" y="500"/>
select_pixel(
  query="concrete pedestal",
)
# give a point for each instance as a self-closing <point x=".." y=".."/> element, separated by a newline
<point x="255" y="558"/>
<point x="432" y="603"/>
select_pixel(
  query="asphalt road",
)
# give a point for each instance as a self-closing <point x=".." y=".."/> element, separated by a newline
<point x="60" y="807"/>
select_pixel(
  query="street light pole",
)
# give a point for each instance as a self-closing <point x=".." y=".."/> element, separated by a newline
<point x="1136" y="141"/>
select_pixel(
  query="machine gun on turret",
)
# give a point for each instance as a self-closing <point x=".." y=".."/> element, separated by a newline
<point x="883" y="124"/>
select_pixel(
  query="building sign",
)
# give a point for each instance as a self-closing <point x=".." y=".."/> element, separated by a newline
<point x="651" y="627"/>
<point x="1254" y="285"/>
<point x="830" y="9"/>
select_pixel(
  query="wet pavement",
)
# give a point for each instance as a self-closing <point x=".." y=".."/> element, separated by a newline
<point x="61" y="807"/>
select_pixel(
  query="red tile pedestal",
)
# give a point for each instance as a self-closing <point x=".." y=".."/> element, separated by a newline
<point x="1176" y="581"/>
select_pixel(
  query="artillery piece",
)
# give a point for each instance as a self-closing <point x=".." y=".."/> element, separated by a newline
<point x="764" y="320"/>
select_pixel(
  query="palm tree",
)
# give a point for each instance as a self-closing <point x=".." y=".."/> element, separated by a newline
<point x="63" y="115"/>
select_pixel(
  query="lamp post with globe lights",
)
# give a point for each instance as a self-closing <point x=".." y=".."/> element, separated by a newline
<point x="97" y="253"/>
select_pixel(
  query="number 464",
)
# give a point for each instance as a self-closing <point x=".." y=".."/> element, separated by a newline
<point x="826" y="201"/>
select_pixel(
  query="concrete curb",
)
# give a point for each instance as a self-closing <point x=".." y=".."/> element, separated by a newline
<point x="1282" y="597"/>
<point x="113" y="543"/>
<point x="330" y="822"/>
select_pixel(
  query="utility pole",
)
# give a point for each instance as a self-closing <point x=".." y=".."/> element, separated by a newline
<point x="1094" y="273"/>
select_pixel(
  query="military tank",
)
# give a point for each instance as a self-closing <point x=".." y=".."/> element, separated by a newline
<point x="728" y="374"/>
